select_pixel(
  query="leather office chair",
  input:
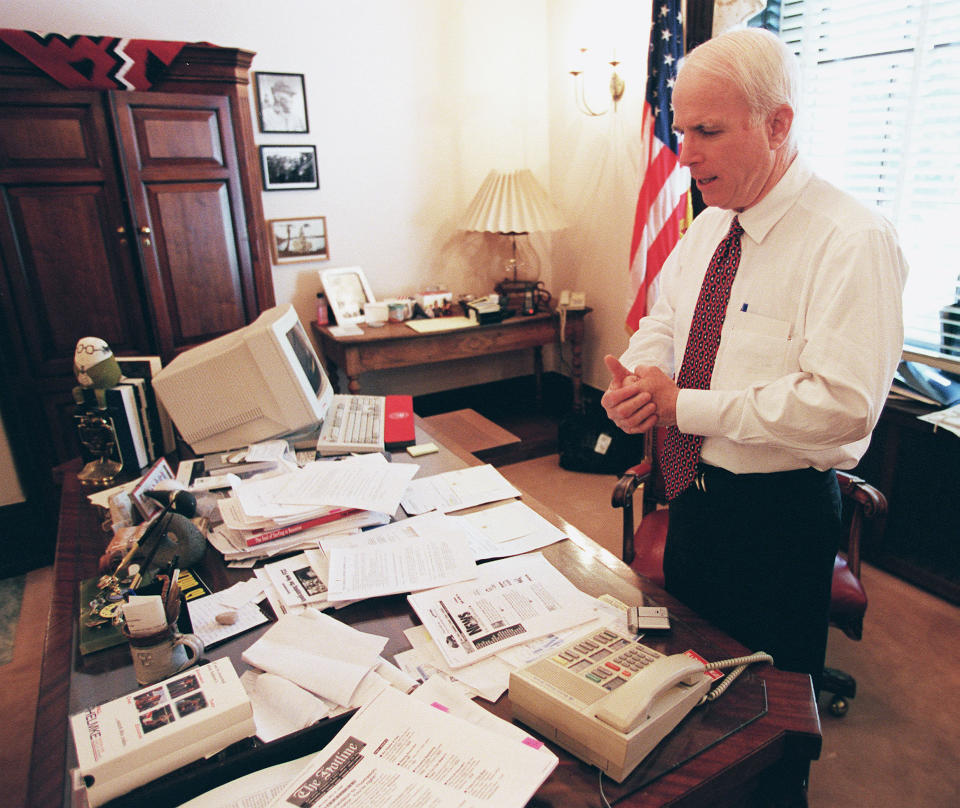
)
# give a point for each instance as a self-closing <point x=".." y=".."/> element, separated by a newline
<point x="643" y="550"/>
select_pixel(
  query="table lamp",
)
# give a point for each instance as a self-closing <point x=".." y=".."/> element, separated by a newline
<point x="513" y="204"/>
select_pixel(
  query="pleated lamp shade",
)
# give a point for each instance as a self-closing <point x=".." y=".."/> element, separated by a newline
<point x="511" y="202"/>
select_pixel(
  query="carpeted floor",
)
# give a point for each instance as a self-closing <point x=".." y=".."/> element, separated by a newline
<point x="11" y="596"/>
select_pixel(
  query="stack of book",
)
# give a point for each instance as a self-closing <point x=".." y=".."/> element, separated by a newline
<point x="245" y="538"/>
<point x="134" y="739"/>
<point x="141" y="427"/>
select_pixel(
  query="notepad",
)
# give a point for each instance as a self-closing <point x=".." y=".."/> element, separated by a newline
<point x="440" y="324"/>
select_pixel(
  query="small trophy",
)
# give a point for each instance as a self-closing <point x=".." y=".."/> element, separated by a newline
<point x="96" y="434"/>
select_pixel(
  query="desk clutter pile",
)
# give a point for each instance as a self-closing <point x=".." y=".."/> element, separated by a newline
<point x="319" y="535"/>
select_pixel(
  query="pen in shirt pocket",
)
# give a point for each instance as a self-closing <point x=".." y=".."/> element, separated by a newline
<point x="743" y="307"/>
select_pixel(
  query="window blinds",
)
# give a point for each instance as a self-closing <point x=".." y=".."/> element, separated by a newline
<point x="880" y="117"/>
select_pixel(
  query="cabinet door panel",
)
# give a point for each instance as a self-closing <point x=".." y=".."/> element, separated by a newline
<point x="64" y="131"/>
<point x="63" y="229"/>
<point x="180" y="162"/>
<point x="66" y="289"/>
<point x="200" y="275"/>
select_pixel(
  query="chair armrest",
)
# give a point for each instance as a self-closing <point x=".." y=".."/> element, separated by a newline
<point x="629" y="482"/>
<point x="869" y="503"/>
<point x="873" y="502"/>
<point x="622" y="497"/>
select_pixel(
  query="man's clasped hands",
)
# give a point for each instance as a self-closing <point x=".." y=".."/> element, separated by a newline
<point x="638" y="400"/>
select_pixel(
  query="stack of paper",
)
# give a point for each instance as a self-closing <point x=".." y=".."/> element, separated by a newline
<point x="291" y="511"/>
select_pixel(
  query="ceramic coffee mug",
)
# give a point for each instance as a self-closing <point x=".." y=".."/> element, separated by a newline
<point x="375" y="313"/>
<point x="163" y="654"/>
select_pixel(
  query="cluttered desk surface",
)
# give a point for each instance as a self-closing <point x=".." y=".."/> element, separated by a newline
<point x="764" y="730"/>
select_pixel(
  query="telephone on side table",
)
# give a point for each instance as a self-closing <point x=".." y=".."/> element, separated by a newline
<point x="576" y="301"/>
<point x="610" y="700"/>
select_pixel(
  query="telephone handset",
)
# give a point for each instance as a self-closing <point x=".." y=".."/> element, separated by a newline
<point x="572" y="300"/>
<point x="569" y="300"/>
<point x="610" y="700"/>
<point x="629" y="706"/>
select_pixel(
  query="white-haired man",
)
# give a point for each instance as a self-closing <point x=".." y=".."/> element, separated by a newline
<point x="766" y="359"/>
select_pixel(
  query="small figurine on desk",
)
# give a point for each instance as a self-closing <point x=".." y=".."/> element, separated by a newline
<point x="96" y="369"/>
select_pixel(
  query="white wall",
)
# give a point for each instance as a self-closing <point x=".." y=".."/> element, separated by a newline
<point x="411" y="103"/>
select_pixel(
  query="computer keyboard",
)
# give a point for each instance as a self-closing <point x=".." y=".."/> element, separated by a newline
<point x="352" y="424"/>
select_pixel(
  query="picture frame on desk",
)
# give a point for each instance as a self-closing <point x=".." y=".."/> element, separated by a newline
<point x="298" y="239"/>
<point x="289" y="168"/>
<point x="347" y="291"/>
<point x="282" y="102"/>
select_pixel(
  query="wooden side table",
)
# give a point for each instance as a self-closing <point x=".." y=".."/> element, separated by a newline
<point x="396" y="345"/>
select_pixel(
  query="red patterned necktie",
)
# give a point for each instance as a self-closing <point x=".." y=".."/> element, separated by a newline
<point x="681" y="451"/>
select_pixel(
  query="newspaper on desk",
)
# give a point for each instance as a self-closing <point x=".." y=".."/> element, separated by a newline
<point x="511" y="602"/>
<point x="398" y="750"/>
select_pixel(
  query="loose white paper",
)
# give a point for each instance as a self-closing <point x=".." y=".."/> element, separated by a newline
<point x="455" y="490"/>
<point x="406" y="556"/>
<point x="488" y="678"/>
<point x="203" y="617"/>
<point x="368" y="486"/>
<point x="510" y="528"/>
<point x="317" y="652"/>
<point x="279" y="706"/>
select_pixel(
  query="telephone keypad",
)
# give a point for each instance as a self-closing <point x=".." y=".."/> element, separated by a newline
<point x="605" y="658"/>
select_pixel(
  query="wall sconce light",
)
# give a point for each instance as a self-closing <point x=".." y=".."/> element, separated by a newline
<point x="617" y="87"/>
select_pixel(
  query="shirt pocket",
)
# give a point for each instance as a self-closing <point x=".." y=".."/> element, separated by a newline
<point x="753" y="349"/>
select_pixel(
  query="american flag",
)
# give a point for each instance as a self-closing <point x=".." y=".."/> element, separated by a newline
<point x="663" y="205"/>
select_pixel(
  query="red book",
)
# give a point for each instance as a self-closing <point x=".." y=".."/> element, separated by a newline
<point x="398" y="427"/>
<point x="289" y="530"/>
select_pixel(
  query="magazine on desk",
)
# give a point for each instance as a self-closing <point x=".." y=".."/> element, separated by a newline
<point x="134" y="739"/>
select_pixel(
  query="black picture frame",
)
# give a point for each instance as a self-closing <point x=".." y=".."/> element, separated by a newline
<point x="282" y="103"/>
<point x="289" y="168"/>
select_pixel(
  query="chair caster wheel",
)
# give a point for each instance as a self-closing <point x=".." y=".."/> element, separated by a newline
<point x="839" y="706"/>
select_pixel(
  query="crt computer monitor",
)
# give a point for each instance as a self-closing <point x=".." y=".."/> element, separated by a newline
<point x="259" y="382"/>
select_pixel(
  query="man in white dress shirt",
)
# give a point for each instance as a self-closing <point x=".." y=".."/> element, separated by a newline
<point x="810" y="338"/>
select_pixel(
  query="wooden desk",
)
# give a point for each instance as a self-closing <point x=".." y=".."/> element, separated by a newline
<point x="396" y="345"/>
<point x="769" y="754"/>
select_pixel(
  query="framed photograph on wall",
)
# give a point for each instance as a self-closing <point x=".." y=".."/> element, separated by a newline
<point x="282" y="102"/>
<point x="303" y="239"/>
<point x="289" y="168"/>
<point x="347" y="291"/>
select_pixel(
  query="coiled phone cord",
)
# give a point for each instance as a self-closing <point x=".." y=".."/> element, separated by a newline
<point x="739" y="665"/>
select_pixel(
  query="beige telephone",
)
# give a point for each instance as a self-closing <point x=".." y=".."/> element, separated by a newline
<point x="610" y="700"/>
<point x="568" y="301"/>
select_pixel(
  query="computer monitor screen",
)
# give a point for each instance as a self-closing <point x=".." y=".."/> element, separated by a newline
<point x="259" y="382"/>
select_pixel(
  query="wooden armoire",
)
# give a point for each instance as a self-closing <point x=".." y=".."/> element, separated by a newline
<point x="131" y="216"/>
